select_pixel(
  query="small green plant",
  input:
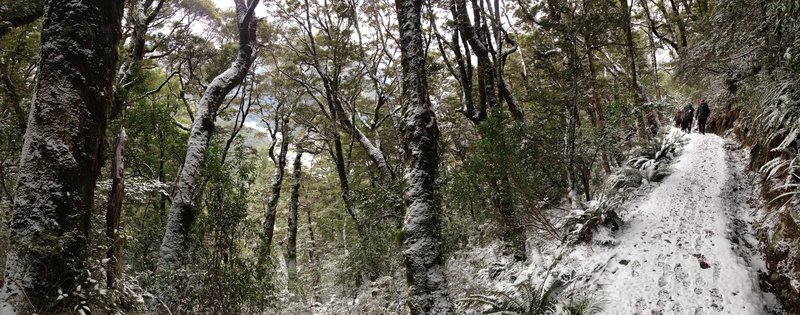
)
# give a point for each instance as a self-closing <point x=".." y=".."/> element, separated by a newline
<point x="554" y="295"/>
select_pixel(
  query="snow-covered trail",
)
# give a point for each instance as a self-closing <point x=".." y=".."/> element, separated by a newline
<point x="675" y="255"/>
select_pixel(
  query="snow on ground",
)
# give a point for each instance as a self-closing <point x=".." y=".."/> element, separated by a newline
<point x="674" y="254"/>
<point x="687" y="247"/>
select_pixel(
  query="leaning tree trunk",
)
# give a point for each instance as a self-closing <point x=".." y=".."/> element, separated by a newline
<point x="61" y="155"/>
<point x="182" y="211"/>
<point x="294" y="204"/>
<point x="428" y="292"/>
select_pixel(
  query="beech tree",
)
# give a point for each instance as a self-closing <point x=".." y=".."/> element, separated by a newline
<point x="427" y="285"/>
<point x="62" y="154"/>
<point x="294" y="204"/>
<point x="182" y="210"/>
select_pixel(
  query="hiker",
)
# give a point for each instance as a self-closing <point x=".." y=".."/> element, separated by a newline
<point x="678" y="118"/>
<point x="702" y="115"/>
<point x="688" y="115"/>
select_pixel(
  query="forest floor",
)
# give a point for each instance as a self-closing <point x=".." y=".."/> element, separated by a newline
<point x="686" y="247"/>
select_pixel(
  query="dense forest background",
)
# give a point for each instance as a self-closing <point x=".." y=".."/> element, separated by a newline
<point x="271" y="157"/>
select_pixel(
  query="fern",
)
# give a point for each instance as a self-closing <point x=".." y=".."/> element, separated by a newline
<point x="554" y="295"/>
<point x="778" y="121"/>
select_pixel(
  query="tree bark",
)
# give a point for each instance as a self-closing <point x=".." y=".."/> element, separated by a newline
<point x="182" y="210"/>
<point x="681" y="25"/>
<point x="312" y="246"/>
<point x="114" y="208"/>
<point x="493" y="89"/>
<point x="294" y="204"/>
<point x="598" y="115"/>
<point x="272" y="203"/>
<point x="630" y="51"/>
<point x="338" y="155"/>
<point x="428" y="292"/>
<point x="61" y="155"/>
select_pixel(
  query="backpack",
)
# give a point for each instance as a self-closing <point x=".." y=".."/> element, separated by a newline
<point x="688" y="113"/>
<point x="703" y="111"/>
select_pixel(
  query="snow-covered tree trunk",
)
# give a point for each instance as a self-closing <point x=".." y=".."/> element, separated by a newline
<point x="294" y="204"/>
<point x="375" y="154"/>
<point x="114" y="208"/>
<point x="61" y="155"/>
<point x="428" y="292"/>
<point x="182" y="210"/>
<point x="275" y="195"/>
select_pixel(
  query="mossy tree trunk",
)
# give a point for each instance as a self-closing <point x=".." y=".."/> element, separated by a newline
<point x="61" y="155"/>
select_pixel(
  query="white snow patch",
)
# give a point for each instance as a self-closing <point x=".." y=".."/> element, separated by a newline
<point x="674" y="254"/>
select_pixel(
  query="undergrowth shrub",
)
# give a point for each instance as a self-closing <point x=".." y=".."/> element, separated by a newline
<point x="555" y="294"/>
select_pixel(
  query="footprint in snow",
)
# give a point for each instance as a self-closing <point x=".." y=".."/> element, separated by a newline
<point x="698" y="243"/>
<point x="660" y="259"/>
<point x="716" y="300"/>
<point x="640" y="305"/>
<point x="677" y="308"/>
<point x="662" y="281"/>
<point x="679" y="273"/>
<point x="699" y="284"/>
<point x="663" y="298"/>
<point x="665" y="274"/>
<point x="635" y="265"/>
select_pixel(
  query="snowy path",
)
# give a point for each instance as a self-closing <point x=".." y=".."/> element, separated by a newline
<point x="675" y="255"/>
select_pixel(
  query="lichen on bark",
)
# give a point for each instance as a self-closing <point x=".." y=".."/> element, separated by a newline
<point x="62" y="154"/>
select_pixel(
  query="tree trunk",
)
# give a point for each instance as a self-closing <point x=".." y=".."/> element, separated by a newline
<point x="291" y="244"/>
<point x="493" y="89"/>
<point x="428" y="292"/>
<point x="630" y="51"/>
<point x="61" y="155"/>
<point x="681" y="25"/>
<point x="272" y="204"/>
<point x="114" y="208"/>
<point x="375" y="154"/>
<point x="569" y="153"/>
<point x="341" y="170"/>
<point x="598" y="115"/>
<point x="182" y="210"/>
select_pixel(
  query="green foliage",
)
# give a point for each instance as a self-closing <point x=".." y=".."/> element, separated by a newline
<point x="154" y="143"/>
<point x="512" y="174"/>
<point x="581" y="225"/>
<point x="554" y="295"/>
<point x="778" y="128"/>
<point x="227" y="276"/>
<point x="377" y="252"/>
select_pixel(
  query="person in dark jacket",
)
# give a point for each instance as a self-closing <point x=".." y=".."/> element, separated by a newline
<point x="678" y="118"/>
<point x="702" y="115"/>
<point x="688" y="115"/>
